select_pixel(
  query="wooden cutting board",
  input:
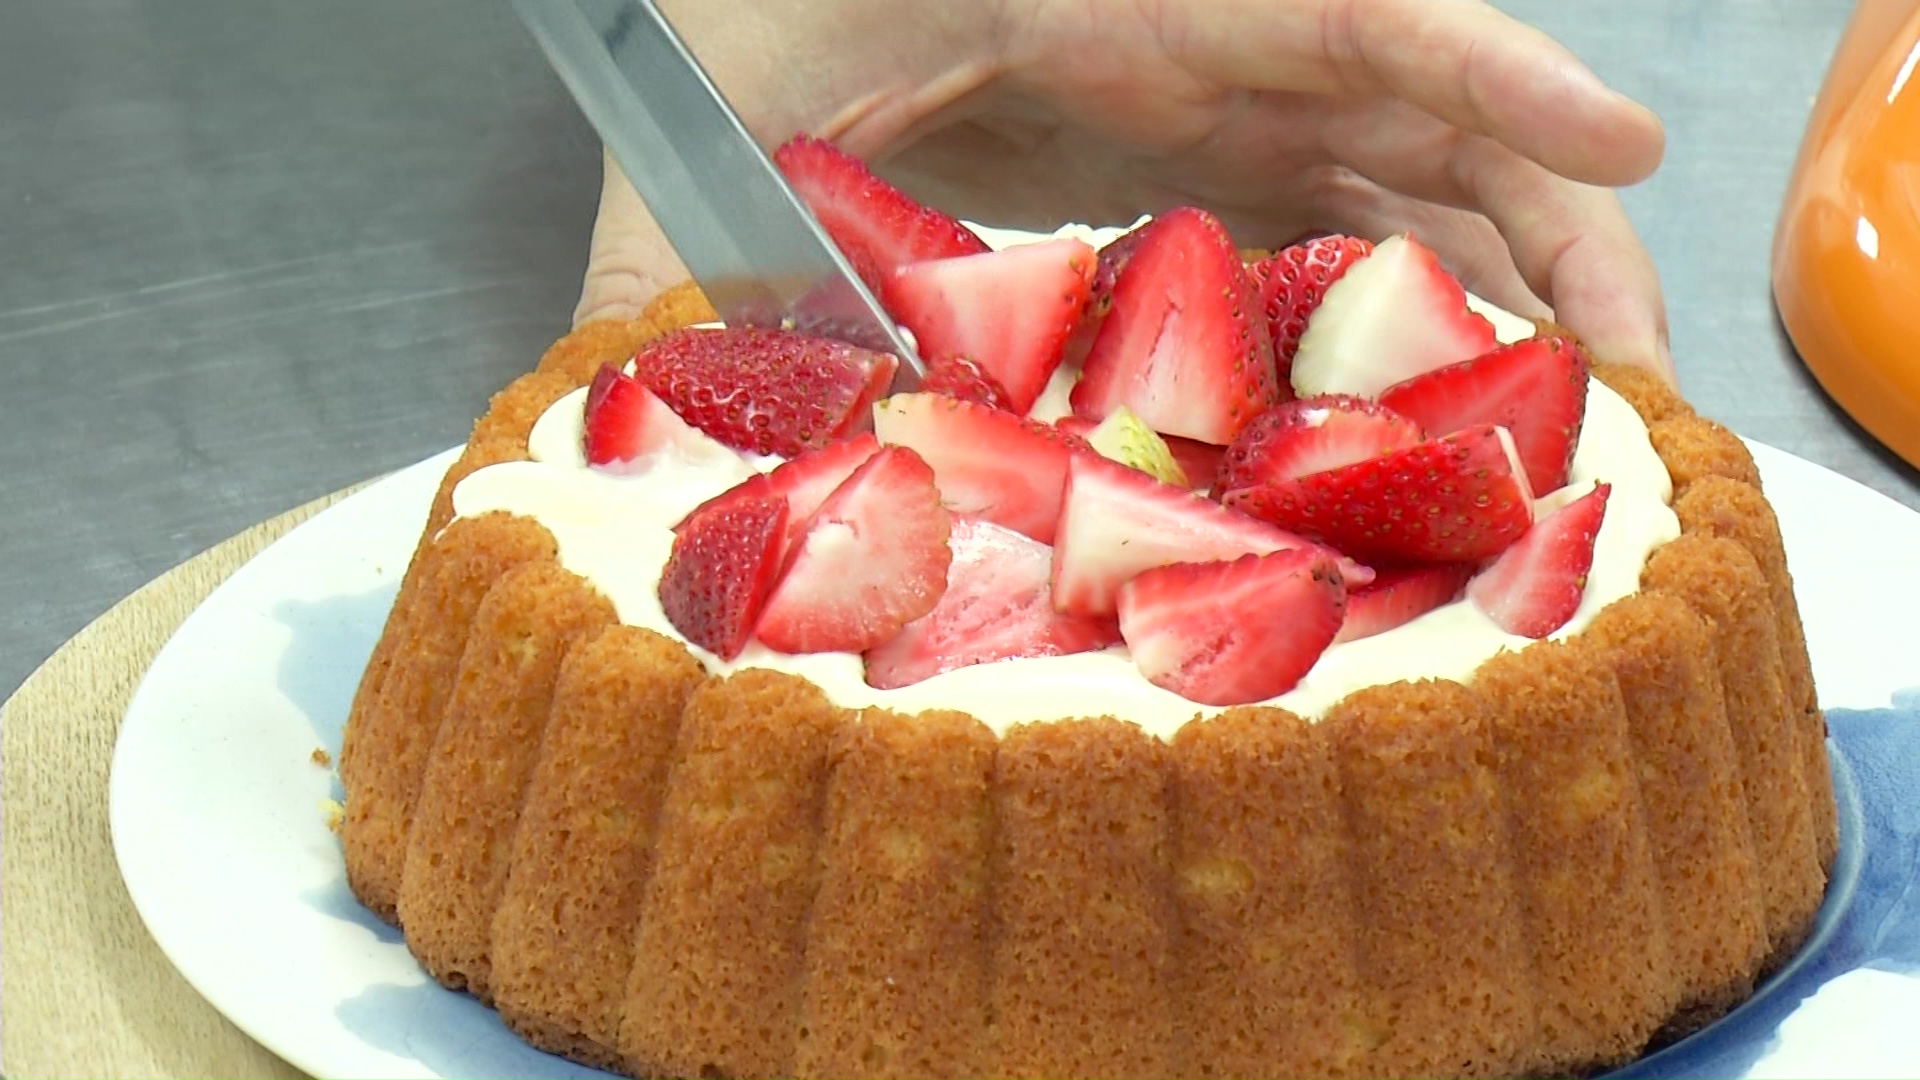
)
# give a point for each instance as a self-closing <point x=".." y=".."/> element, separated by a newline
<point x="84" y="991"/>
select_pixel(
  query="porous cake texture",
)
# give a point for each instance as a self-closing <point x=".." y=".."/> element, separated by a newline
<point x="1591" y="846"/>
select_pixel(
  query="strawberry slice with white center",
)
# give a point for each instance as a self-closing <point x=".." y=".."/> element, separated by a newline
<point x="1453" y="499"/>
<point x="625" y="422"/>
<point x="1535" y="586"/>
<point x="1293" y="281"/>
<point x="1008" y="311"/>
<point x="877" y="226"/>
<point x="998" y="606"/>
<point x="1535" y="388"/>
<point x="988" y="464"/>
<point x="1312" y="435"/>
<point x="722" y="567"/>
<point x="804" y="482"/>
<point x="1232" y="633"/>
<point x="1395" y="314"/>
<point x="1399" y="595"/>
<point x="1116" y="522"/>
<point x="959" y="377"/>
<point x="873" y="558"/>
<point x="762" y="390"/>
<point x="1183" y="345"/>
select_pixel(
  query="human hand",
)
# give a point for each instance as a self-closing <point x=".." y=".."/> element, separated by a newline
<point x="1483" y="136"/>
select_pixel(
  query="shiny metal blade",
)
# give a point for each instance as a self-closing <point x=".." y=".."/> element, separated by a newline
<point x="754" y="247"/>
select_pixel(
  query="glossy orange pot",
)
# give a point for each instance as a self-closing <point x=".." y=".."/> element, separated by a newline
<point x="1846" y="252"/>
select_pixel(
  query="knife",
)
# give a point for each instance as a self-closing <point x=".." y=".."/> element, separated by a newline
<point x="754" y="248"/>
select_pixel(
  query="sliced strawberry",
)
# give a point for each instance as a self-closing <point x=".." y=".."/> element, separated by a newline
<point x="988" y="464"/>
<point x="1291" y="283"/>
<point x="1311" y="435"/>
<point x="959" y="377"/>
<point x="1535" y="586"/>
<point x="625" y="421"/>
<point x="1395" y="314"/>
<point x="998" y="605"/>
<point x="808" y="480"/>
<point x="803" y="482"/>
<point x="1182" y="346"/>
<point x="1113" y="258"/>
<point x="1450" y="499"/>
<point x="872" y="558"/>
<point x="765" y="391"/>
<point x="876" y="225"/>
<point x="721" y="569"/>
<point x="1535" y="388"/>
<point x="1231" y="633"/>
<point x="1116" y="522"/>
<point x="1008" y="311"/>
<point x="1400" y="595"/>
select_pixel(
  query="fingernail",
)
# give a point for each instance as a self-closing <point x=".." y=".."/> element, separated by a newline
<point x="1663" y="351"/>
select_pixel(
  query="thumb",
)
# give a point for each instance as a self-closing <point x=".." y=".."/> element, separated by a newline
<point x="629" y="261"/>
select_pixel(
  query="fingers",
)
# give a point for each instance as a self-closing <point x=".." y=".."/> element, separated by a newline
<point x="1459" y="60"/>
<point x="1574" y="246"/>
<point x="1571" y="243"/>
<point x="629" y="261"/>
<point x="1467" y="243"/>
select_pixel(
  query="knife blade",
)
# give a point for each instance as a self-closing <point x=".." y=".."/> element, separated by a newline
<point x="753" y="246"/>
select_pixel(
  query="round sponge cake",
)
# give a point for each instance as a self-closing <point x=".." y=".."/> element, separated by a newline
<point x="1591" y="846"/>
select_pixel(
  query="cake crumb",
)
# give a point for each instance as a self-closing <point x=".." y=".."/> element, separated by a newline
<point x="335" y="813"/>
<point x="320" y="757"/>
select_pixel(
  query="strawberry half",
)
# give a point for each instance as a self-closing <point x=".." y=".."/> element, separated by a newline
<point x="1535" y="388"/>
<point x="1008" y="311"/>
<point x="1535" y="586"/>
<point x="721" y="569"/>
<point x="1311" y="435"/>
<point x="1395" y="314"/>
<point x="1116" y="522"/>
<point x="1112" y="259"/>
<point x="988" y="464"/>
<point x="1399" y="595"/>
<point x="1182" y="346"/>
<point x="625" y="421"/>
<point x="998" y="605"/>
<point x="1452" y="499"/>
<point x="872" y="558"/>
<point x="803" y="482"/>
<point x="1291" y="283"/>
<point x="1230" y="633"/>
<point x="765" y="391"/>
<point x="959" y="377"/>
<point x="876" y="225"/>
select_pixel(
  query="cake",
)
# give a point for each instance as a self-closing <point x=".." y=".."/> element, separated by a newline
<point x="1503" y="828"/>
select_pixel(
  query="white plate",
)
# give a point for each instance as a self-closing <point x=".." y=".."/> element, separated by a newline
<point x="217" y="816"/>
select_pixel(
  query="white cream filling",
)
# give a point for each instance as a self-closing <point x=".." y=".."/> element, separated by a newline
<point x="615" y="530"/>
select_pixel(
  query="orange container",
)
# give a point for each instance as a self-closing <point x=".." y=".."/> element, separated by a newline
<point x="1846" y="252"/>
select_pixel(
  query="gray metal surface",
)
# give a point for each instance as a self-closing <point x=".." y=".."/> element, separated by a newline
<point x="742" y="233"/>
<point x="251" y="252"/>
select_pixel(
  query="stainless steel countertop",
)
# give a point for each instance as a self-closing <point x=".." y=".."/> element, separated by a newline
<point x="252" y="252"/>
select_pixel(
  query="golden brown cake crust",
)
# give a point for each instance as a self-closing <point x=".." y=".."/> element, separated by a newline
<point x="733" y="877"/>
<point x="614" y="341"/>
<point x="1603" y="978"/>
<point x="563" y="934"/>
